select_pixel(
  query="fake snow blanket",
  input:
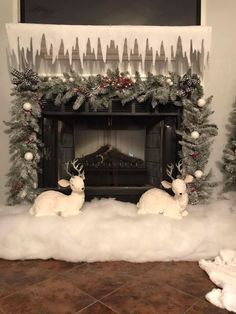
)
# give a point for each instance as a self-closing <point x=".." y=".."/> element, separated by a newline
<point x="222" y="271"/>
<point x="109" y="230"/>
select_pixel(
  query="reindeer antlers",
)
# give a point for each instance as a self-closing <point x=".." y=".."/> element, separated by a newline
<point x="76" y="166"/>
<point x="169" y="171"/>
<point x="179" y="166"/>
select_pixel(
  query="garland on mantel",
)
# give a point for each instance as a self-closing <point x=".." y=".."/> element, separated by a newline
<point x="32" y="92"/>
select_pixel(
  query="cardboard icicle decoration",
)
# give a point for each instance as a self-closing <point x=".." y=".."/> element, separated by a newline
<point x="54" y="49"/>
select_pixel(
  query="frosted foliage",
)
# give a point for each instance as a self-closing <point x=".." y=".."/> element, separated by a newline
<point x="21" y="34"/>
<point x="109" y="230"/>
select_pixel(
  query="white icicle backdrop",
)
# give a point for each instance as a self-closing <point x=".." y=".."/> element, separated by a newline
<point x="53" y="49"/>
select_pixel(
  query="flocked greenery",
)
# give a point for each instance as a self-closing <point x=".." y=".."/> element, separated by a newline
<point x="229" y="154"/>
<point x="98" y="91"/>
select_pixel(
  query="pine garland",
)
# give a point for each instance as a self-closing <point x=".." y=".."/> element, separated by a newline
<point x="229" y="155"/>
<point x="24" y="133"/>
<point x="31" y="93"/>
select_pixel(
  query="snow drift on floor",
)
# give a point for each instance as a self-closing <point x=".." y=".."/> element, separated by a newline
<point x="109" y="230"/>
<point x="222" y="271"/>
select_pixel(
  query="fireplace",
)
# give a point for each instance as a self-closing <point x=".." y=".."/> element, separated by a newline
<point x="124" y="149"/>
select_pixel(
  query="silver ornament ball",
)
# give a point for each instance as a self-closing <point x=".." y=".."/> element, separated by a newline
<point x="28" y="156"/>
<point x="201" y="102"/>
<point x="198" y="174"/>
<point x="195" y="135"/>
<point x="27" y="106"/>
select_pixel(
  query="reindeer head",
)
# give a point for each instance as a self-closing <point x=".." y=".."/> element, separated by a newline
<point x="76" y="182"/>
<point x="178" y="186"/>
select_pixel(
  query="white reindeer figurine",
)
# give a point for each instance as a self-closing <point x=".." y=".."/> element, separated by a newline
<point x="57" y="203"/>
<point x="157" y="201"/>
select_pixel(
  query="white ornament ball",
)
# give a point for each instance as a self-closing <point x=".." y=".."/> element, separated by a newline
<point x="63" y="79"/>
<point x="23" y="194"/>
<point x="49" y="78"/>
<point x="198" y="174"/>
<point x="28" y="156"/>
<point x="195" y="135"/>
<point x="71" y="79"/>
<point x="27" y="106"/>
<point x="169" y="82"/>
<point x="201" y="102"/>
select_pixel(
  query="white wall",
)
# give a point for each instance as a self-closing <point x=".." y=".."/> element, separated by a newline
<point x="220" y="79"/>
<point x="8" y="13"/>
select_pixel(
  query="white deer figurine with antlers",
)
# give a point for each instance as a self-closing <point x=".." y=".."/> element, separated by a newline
<point x="57" y="203"/>
<point x="157" y="201"/>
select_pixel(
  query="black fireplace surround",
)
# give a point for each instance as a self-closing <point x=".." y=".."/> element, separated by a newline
<point x="109" y="171"/>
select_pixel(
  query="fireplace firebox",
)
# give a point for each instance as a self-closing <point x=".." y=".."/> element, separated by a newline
<point x="124" y="149"/>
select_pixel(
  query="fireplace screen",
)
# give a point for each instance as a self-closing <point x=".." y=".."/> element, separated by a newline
<point x="121" y="152"/>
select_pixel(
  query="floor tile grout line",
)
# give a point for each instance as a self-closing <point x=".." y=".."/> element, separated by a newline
<point x="191" y="306"/>
<point x="115" y="290"/>
<point x="97" y="301"/>
<point x="130" y="277"/>
<point x="189" y="294"/>
<point x="42" y="281"/>
<point x="84" y="308"/>
<point x="109" y="307"/>
<point x="93" y="298"/>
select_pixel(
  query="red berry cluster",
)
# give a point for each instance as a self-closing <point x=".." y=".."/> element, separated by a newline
<point x="194" y="155"/>
<point x="17" y="186"/>
<point x="118" y="82"/>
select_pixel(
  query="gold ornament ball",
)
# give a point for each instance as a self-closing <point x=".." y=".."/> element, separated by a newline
<point x="201" y="102"/>
<point x="28" y="156"/>
<point x="198" y="174"/>
<point x="195" y="135"/>
<point x="27" y="106"/>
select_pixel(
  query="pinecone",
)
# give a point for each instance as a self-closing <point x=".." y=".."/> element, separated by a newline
<point x="181" y="93"/>
<point x="188" y="83"/>
<point x="83" y="90"/>
<point x="25" y="80"/>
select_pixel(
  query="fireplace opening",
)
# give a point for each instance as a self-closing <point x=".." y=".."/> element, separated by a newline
<point x="123" y="155"/>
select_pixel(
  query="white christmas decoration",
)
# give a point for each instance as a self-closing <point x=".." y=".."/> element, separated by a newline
<point x="63" y="79"/>
<point x="52" y="203"/>
<point x="222" y="271"/>
<point x="193" y="38"/>
<point x="71" y="79"/>
<point x="27" y="106"/>
<point x="109" y="230"/>
<point x="28" y="156"/>
<point x="195" y="135"/>
<point x="201" y="102"/>
<point x="198" y="174"/>
<point x="156" y="201"/>
<point x="169" y="82"/>
<point x="23" y="194"/>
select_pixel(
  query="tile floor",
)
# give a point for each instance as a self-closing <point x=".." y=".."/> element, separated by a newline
<point x="45" y="287"/>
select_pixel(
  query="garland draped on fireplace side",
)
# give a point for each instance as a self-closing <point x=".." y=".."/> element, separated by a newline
<point x="32" y="92"/>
